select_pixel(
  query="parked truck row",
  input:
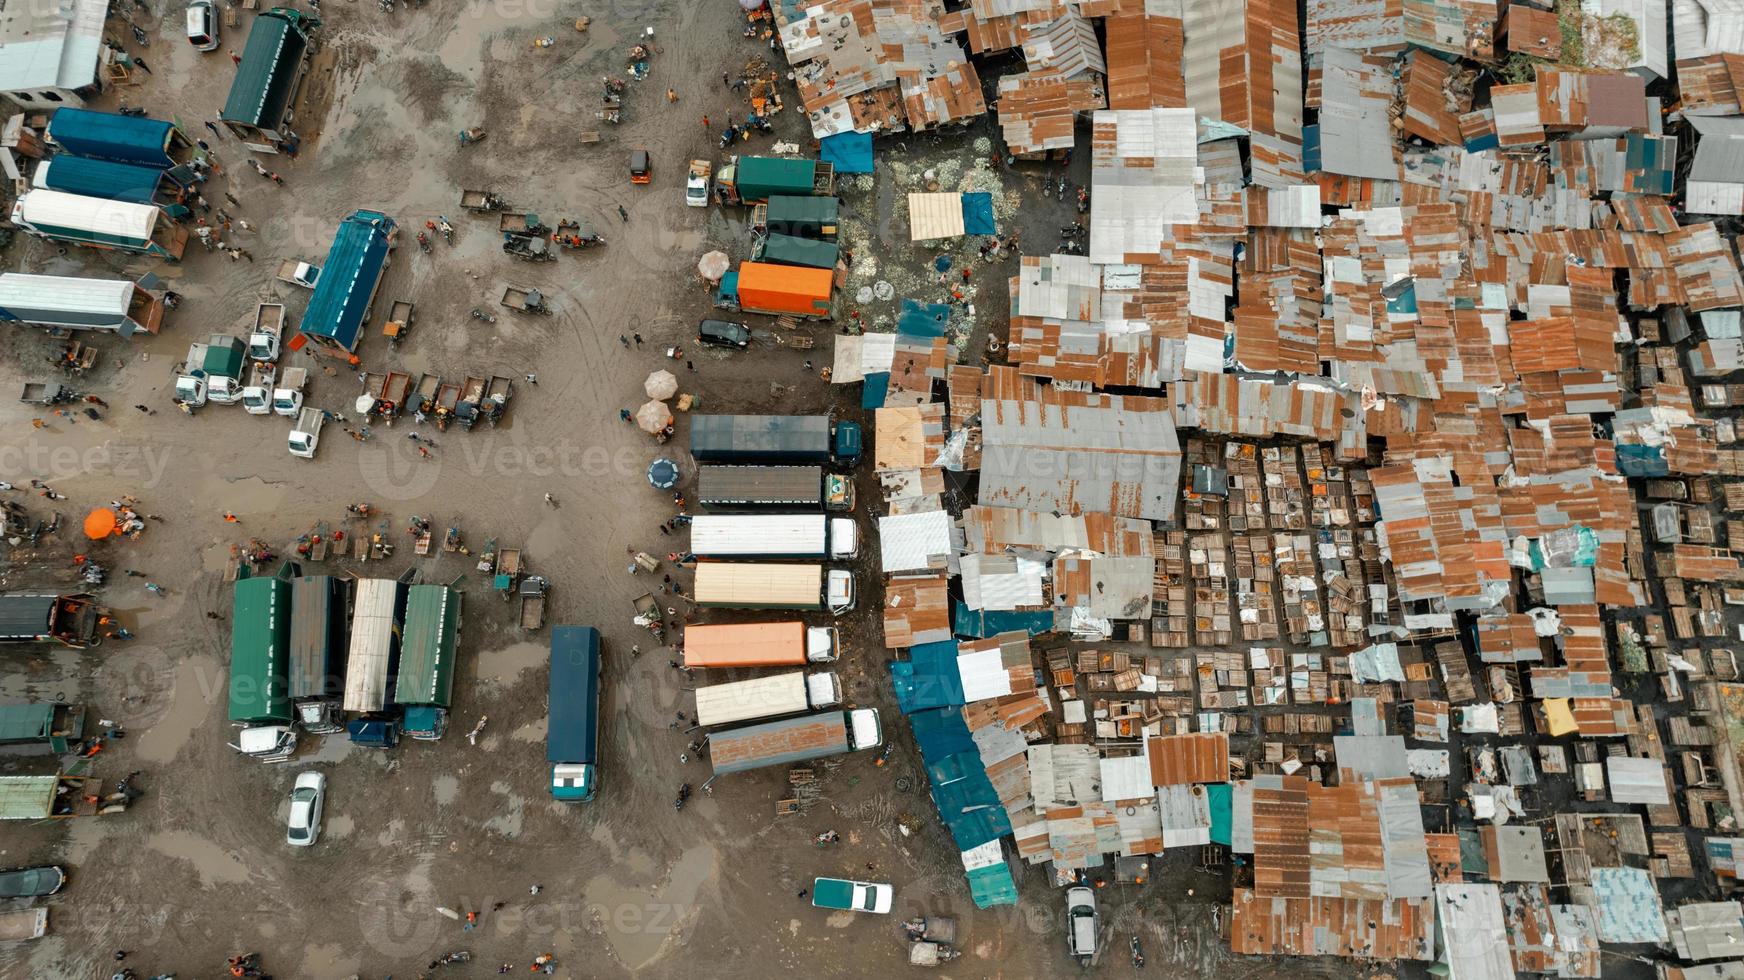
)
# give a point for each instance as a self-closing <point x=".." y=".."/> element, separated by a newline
<point x="729" y="488"/>
<point x="773" y="536"/>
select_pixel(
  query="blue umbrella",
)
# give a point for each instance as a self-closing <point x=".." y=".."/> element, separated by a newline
<point x="662" y="474"/>
<point x="942" y="263"/>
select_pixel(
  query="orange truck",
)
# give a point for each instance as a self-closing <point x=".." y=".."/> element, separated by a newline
<point x="784" y="289"/>
<point x="789" y="644"/>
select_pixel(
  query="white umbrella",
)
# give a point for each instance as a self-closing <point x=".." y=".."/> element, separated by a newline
<point x="653" y="417"/>
<point x="661" y="385"/>
<point x="713" y="266"/>
<point x="365" y="403"/>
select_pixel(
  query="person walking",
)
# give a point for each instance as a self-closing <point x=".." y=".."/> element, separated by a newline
<point x="624" y="340"/>
<point x="235" y="59"/>
<point x="230" y="518"/>
<point x="142" y="65"/>
<point x="550" y="501"/>
<point x="624" y="414"/>
<point x="638" y="338"/>
<point x="275" y="178"/>
<point x="213" y="127"/>
<point x="725" y="82"/>
<point x="672" y="95"/>
<point x="156" y="589"/>
<point x="705" y="123"/>
<point x="623" y="214"/>
<point x="146" y="410"/>
<point x="688" y="366"/>
<point x="532" y="379"/>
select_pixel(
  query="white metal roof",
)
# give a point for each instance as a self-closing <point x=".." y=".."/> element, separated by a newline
<point x="45" y="45"/>
<point x="372" y="634"/>
<point x="62" y="210"/>
<point x="914" y="542"/>
<point x="1141" y="179"/>
<point x="758" y="534"/>
<point x="761" y="697"/>
<point x="1637" y="780"/>
<point x="984" y="675"/>
<point x="65" y="293"/>
<point x="934" y="215"/>
<point x="1475" y="938"/>
<point x="1127" y="778"/>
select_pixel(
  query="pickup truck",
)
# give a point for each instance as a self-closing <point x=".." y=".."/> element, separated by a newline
<point x="852" y="896"/>
<point x="696" y="186"/>
<point x="299" y="273"/>
<point x="307" y="435"/>
<point x="23" y="924"/>
<point x="212" y="372"/>
<point x="263" y="340"/>
<point x="41" y="392"/>
<point x="283" y="395"/>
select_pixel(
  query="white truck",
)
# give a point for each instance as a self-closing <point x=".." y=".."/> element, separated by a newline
<point x="790" y="693"/>
<point x="283" y="396"/>
<point x="773" y="536"/>
<point x="269" y="325"/>
<point x="307" y="435"/>
<point x="766" y="585"/>
<point x="299" y="273"/>
<point x="696" y="186"/>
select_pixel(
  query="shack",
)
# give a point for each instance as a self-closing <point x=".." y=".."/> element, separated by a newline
<point x="764" y="287"/>
<point x="263" y="95"/>
<point x="260" y="631"/>
<point x="68" y="303"/>
<point x="72" y="618"/>
<point x="54" y="726"/>
<point x="425" y="684"/>
<point x="343" y="295"/>
<point x="53" y="53"/>
<point x="111" y="136"/>
<point x="104" y="179"/>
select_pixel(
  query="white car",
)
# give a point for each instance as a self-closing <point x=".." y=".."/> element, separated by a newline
<point x="1081" y="923"/>
<point x="304" y="825"/>
<point x="202" y="25"/>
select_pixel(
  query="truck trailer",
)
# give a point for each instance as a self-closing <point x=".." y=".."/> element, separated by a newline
<point x="773" y="536"/>
<point x="792" y="740"/>
<point x="260" y="639"/>
<point x="787" y="644"/>
<point x="378" y="620"/>
<point x="572" y="728"/>
<point x="755" y="487"/>
<point x="749" y="180"/>
<point x="791" y="693"/>
<point x="320" y="628"/>
<point x="424" y="685"/>
<point x="745" y="585"/>
<point x="774" y="439"/>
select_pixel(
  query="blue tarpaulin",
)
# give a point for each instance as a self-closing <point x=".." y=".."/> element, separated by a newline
<point x="923" y="319"/>
<point x="850" y="153"/>
<point x="1221" y="798"/>
<point x="110" y="136"/>
<point x="876" y="389"/>
<point x="980" y="623"/>
<point x="928" y="678"/>
<point x="335" y="313"/>
<point x="978" y="214"/>
<point x="104" y="179"/>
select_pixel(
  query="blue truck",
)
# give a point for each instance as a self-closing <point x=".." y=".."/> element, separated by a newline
<point x="774" y="439"/>
<point x="572" y="728"/>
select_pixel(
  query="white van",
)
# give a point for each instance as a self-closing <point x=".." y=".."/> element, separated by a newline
<point x="202" y="25"/>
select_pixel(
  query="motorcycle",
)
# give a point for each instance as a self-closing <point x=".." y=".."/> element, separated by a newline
<point x="478" y="314"/>
<point x="1083" y="201"/>
<point x="683" y="795"/>
<point x="826" y="838"/>
<point x="458" y="956"/>
<point x="140" y="36"/>
<point x="1137" y="954"/>
<point x="128" y="110"/>
<point x="387" y="6"/>
<point x="468" y="137"/>
<point x="1063" y="186"/>
<point x="424" y="242"/>
<point x="446" y="228"/>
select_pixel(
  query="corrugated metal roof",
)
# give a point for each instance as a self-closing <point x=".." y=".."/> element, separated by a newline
<point x="914" y="542"/>
<point x="1179" y="759"/>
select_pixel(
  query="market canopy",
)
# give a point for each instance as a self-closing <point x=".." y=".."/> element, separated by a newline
<point x="662" y="474"/>
<point x="100" y="523"/>
<point x="934" y="216"/>
<point x="713" y="266"/>
<point x="653" y="416"/>
<point x="660" y="385"/>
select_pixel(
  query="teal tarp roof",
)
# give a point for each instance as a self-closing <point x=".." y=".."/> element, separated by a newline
<point x="928" y="679"/>
<point x="978" y="214"/>
<point x="111" y="136"/>
<point x="992" y="885"/>
<point x="980" y="624"/>
<point x="360" y="249"/>
<point x="102" y="178"/>
<point x="26" y="722"/>
<point x="875" y="390"/>
<point x="261" y="91"/>
<point x="923" y="319"/>
<point x="1221" y="797"/>
<point x="850" y="153"/>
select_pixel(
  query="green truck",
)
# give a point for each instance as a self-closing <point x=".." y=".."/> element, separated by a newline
<point x="802" y="217"/>
<point x="260" y="640"/>
<point x="752" y="180"/>
<point x="424" y="688"/>
<point x="794" y="250"/>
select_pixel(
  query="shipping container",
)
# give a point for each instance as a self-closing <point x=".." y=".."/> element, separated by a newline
<point x="790" y="693"/>
<point x="812" y="218"/>
<point x="773" y="536"/>
<point x="68" y="303"/>
<point x="785" y="644"/>
<point x="111" y="136"/>
<point x="773" y="439"/>
<point x="98" y="178"/>
<point x="754" y="487"/>
<point x="96" y="223"/>
<point x="794" y="740"/>
<point x="749" y="180"/>
<point x="747" y="585"/>
<point x="775" y="289"/>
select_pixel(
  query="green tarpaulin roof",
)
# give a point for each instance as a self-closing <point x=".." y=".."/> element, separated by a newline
<point x="260" y="626"/>
<point x="261" y="92"/>
<point x="26" y="722"/>
<point x="786" y="209"/>
<point x="792" y="250"/>
<point x="428" y="645"/>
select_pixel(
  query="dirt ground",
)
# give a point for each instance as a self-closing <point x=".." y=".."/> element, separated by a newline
<point x="198" y="869"/>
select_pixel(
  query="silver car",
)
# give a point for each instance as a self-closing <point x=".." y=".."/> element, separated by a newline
<point x="1081" y="923"/>
<point x="304" y="825"/>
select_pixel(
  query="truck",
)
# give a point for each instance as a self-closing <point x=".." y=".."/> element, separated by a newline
<point x="573" y="709"/>
<point x="306" y="437"/>
<point x="22" y="924"/>
<point x="424" y="686"/>
<point x="72" y="619"/>
<point x="791" y="693"/>
<point x="696" y="185"/>
<point x="752" y="487"/>
<point x="320" y="632"/>
<point x="92" y="222"/>
<point x="774" y="439"/>
<point x="752" y="180"/>
<point x="261" y="377"/>
<point x="41" y="392"/>
<point x="260" y="636"/>
<point x="846" y="895"/>
<point x="299" y="273"/>
<point x="212" y="372"/>
<point x="791" y="740"/>
<point x="746" y="585"/>
<point x="378" y="617"/>
<point x="773" y="536"/>
<point x="269" y="326"/>
<point x="532" y="590"/>
<point x="781" y="290"/>
<point x="783" y="644"/>
<point x="286" y="394"/>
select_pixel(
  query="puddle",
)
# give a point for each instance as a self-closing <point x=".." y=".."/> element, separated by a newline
<point x="214" y="864"/>
<point x="198" y="684"/>
<point x="531" y="732"/>
<point x="328" y="748"/>
<point x="328" y="960"/>
<point x="639" y="921"/>
<point x="446" y="788"/>
<point x="504" y="666"/>
<point x="340" y="826"/>
<point x="508" y="823"/>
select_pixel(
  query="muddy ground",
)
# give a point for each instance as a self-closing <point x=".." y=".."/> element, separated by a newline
<point x="198" y="869"/>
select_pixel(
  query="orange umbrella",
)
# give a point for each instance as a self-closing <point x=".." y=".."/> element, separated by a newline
<point x="100" y="523"/>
